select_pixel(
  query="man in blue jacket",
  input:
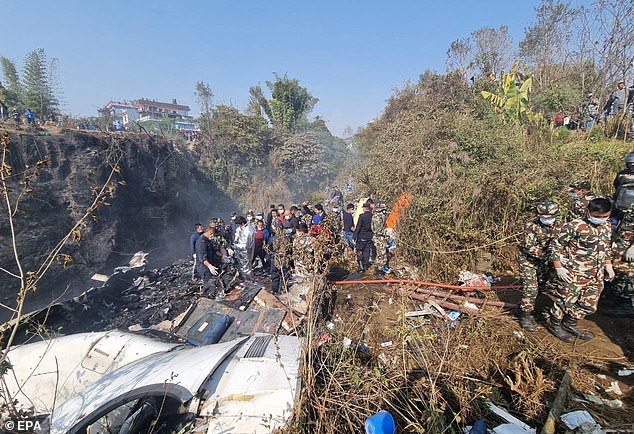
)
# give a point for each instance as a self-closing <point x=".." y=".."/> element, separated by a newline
<point x="205" y="255"/>
<point x="198" y="230"/>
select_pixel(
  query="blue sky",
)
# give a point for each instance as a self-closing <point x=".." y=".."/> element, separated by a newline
<point x="349" y="54"/>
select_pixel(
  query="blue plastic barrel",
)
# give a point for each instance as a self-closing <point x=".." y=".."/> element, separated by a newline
<point x="478" y="427"/>
<point x="380" y="423"/>
<point x="209" y="329"/>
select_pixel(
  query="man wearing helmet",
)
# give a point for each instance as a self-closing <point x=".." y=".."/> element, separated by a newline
<point x="534" y="258"/>
<point x="581" y="193"/>
<point x="622" y="287"/>
<point x="625" y="176"/>
<point x="624" y="188"/>
<point x="582" y="256"/>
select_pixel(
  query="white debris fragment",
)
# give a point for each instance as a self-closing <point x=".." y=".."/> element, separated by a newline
<point x="470" y="305"/>
<point x="625" y="372"/>
<point x="574" y="419"/>
<point x="614" y="388"/>
<point x="99" y="277"/>
<point x="511" y="428"/>
<point x="386" y="344"/>
<point x="347" y="342"/>
<point x="509" y="418"/>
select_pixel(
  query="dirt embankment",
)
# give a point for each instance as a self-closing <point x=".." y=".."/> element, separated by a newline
<point x="159" y="195"/>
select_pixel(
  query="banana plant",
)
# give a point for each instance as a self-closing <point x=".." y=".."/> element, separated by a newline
<point x="511" y="97"/>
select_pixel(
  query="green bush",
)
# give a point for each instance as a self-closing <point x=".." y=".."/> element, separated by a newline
<point x="475" y="179"/>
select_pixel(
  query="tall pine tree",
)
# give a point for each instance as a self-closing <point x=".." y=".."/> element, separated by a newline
<point x="38" y="94"/>
<point x="12" y="86"/>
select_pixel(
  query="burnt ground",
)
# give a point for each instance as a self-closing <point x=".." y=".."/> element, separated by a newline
<point x="136" y="297"/>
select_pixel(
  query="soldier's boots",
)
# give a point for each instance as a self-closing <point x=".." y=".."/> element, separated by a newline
<point x="554" y="326"/>
<point x="527" y="321"/>
<point x="361" y="266"/>
<point x="569" y="324"/>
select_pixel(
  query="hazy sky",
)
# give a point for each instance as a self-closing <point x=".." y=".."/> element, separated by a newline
<point x="349" y="54"/>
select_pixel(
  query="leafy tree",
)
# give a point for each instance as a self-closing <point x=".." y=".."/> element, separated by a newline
<point x="460" y="57"/>
<point x="13" y="87"/>
<point x="288" y="106"/>
<point x="512" y="95"/>
<point x="38" y="93"/>
<point x="204" y="97"/>
<point x="240" y="144"/>
<point x="484" y="52"/>
<point x="546" y="46"/>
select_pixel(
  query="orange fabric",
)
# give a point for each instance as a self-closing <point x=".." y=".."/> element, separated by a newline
<point x="404" y="200"/>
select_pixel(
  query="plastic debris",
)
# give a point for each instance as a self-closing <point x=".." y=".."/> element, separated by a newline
<point x="470" y="305"/>
<point x="386" y="344"/>
<point x="511" y="428"/>
<point x="380" y="423"/>
<point x="479" y="427"/>
<point x="467" y="278"/>
<point x="614" y="388"/>
<point x="574" y="419"/>
<point x="503" y="429"/>
<point x="612" y="403"/>
<point x="625" y="372"/>
<point x="453" y="315"/>
<point x="347" y="342"/>
<point x="415" y="313"/>
<point x="330" y="325"/>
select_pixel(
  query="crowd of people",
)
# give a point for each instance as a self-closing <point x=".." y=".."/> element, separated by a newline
<point x="620" y="101"/>
<point x="282" y="241"/>
<point x="576" y="257"/>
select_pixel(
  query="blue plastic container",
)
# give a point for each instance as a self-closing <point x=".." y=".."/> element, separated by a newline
<point x="209" y="329"/>
<point x="380" y="423"/>
<point x="478" y="427"/>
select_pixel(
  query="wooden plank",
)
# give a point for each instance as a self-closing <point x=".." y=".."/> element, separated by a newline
<point x="558" y="405"/>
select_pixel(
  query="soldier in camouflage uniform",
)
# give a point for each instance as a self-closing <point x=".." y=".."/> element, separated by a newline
<point x="380" y="237"/>
<point x="582" y="256"/>
<point x="623" y="258"/>
<point x="534" y="258"/>
<point x="581" y="193"/>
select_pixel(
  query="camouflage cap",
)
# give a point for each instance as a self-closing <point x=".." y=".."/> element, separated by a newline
<point x="547" y="208"/>
<point x="380" y="206"/>
<point x="583" y="184"/>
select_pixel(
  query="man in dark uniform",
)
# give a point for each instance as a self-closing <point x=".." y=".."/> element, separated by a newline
<point x="625" y="176"/>
<point x="205" y="256"/>
<point x="363" y="238"/>
<point x="198" y="230"/>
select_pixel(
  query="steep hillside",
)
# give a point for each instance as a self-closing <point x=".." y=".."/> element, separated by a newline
<point x="159" y="193"/>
